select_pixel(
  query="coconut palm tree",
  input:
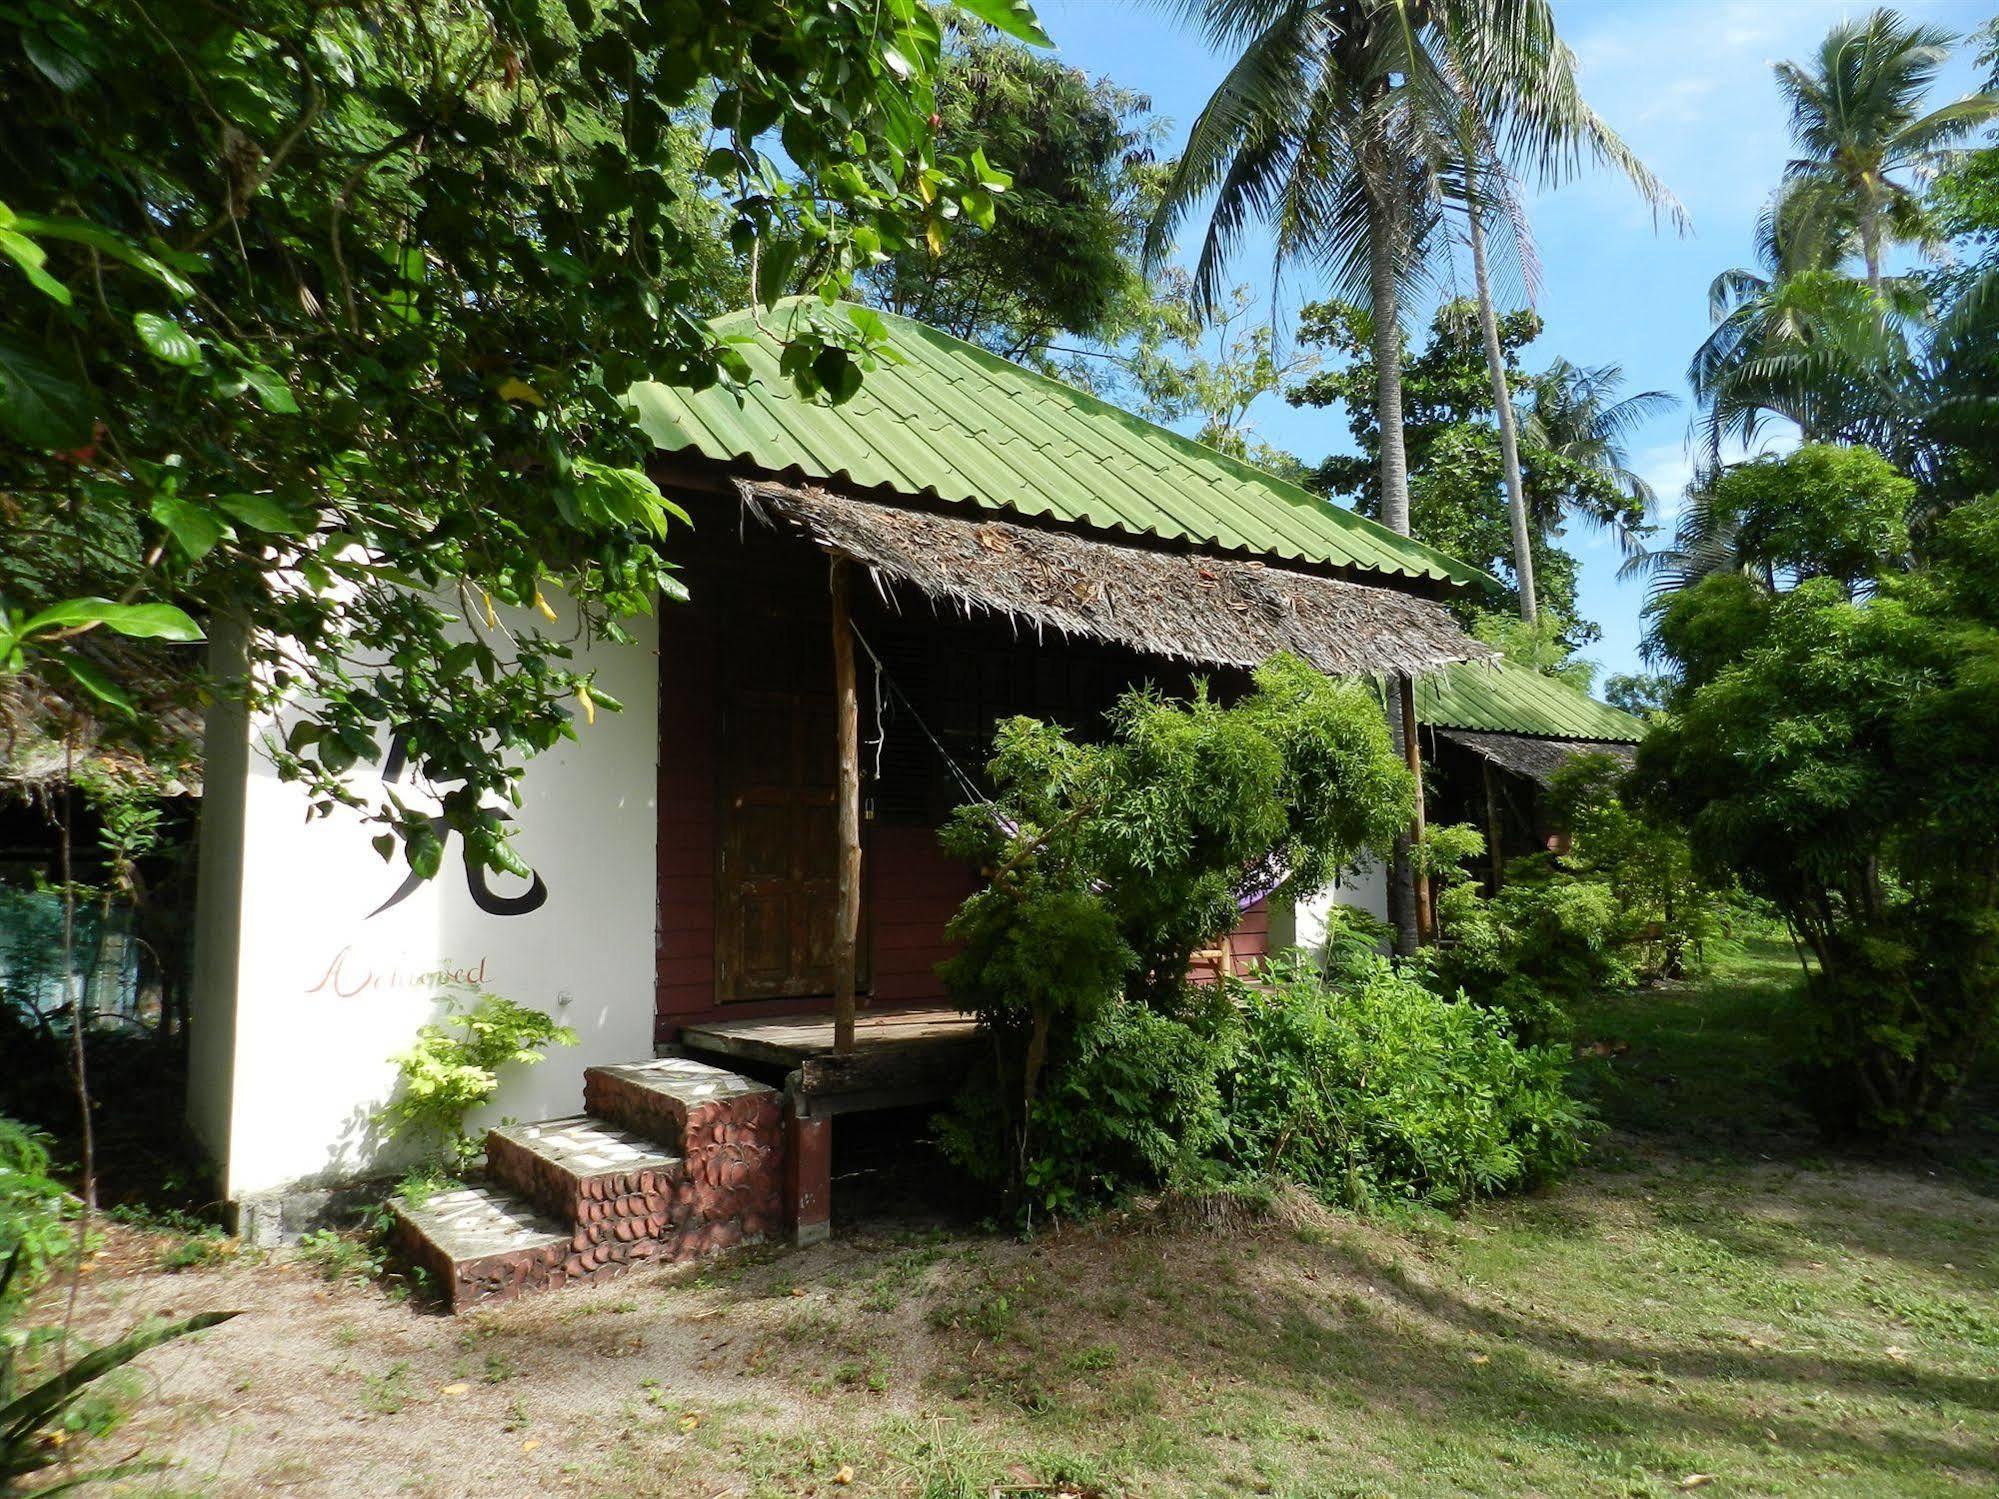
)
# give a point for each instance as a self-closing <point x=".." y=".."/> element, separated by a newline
<point x="1858" y="122"/>
<point x="1577" y="417"/>
<point x="1534" y="120"/>
<point x="1334" y="127"/>
<point x="1797" y="338"/>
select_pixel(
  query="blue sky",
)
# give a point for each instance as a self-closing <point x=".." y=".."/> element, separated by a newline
<point x="1687" y="83"/>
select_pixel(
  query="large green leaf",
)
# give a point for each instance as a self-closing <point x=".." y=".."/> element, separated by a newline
<point x="26" y="1412"/>
<point x="195" y="531"/>
<point x="272" y="393"/>
<point x="38" y="406"/>
<point x="98" y="685"/>
<point x="30" y="256"/>
<point x="167" y="340"/>
<point x="82" y="232"/>
<point x="57" y="63"/>
<point x="260" y="512"/>
<point x="139" y="621"/>
<point x="1015" y="17"/>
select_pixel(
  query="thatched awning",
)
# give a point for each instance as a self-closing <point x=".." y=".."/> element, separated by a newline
<point x="1194" y="607"/>
<point x="1536" y="759"/>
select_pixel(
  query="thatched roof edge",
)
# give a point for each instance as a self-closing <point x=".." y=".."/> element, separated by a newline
<point x="1191" y="606"/>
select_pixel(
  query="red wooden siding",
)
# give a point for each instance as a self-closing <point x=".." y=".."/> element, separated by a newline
<point x="915" y="889"/>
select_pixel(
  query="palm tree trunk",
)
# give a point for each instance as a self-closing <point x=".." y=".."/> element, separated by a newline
<point x="1384" y="248"/>
<point x="1502" y="405"/>
<point x="1383" y="253"/>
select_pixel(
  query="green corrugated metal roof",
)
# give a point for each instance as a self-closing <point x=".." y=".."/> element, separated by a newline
<point x="956" y="422"/>
<point x="1506" y="699"/>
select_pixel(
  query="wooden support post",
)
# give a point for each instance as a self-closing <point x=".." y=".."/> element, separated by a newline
<point x="1412" y="750"/>
<point x="1492" y="825"/>
<point x="846" y="717"/>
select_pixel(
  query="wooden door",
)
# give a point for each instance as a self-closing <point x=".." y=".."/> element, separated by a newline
<point x="779" y="846"/>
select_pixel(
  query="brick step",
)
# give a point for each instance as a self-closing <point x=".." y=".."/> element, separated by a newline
<point x="728" y="1130"/>
<point x="683" y="1104"/>
<point x="586" y="1173"/>
<point x="480" y="1243"/>
<point x="674" y="1159"/>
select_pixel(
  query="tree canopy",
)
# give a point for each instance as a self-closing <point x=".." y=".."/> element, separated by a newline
<point x="321" y="318"/>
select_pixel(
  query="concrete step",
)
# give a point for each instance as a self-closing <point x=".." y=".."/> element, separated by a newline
<point x="583" y="1171"/>
<point x="480" y="1243"/>
<point x="682" y="1103"/>
<point x="728" y="1129"/>
<point x="675" y="1159"/>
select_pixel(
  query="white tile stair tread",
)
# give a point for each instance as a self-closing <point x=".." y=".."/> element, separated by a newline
<point x="470" y="1223"/>
<point x="585" y="1146"/>
<point x="684" y="1078"/>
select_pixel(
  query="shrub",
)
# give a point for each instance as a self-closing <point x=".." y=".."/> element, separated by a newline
<point x="1380" y="1090"/>
<point x="454" y="1067"/>
<point x="34" y="1207"/>
<point x="1109" y="864"/>
<point x="1132" y="1100"/>
<point x="1835" y="745"/>
<point x="1546" y="940"/>
<point x="1669" y="911"/>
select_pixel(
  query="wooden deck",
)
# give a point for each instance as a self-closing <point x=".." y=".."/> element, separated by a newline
<point x="899" y="1056"/>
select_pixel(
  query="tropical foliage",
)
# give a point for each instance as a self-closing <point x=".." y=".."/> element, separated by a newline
<point x="321" y="317"/>
<point x="1054" y="281"/>
<point x="1109" y="864"/>
<point x="454" y="1066"/>
<point x="1831" y="743"/>
<point x="1572" y="447"/>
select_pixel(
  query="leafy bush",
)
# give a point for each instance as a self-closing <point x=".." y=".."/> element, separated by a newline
<point x="454" y="1067"/>
<point x="1546" y="940"/>
<point x="1110" y="864"/>
<point x="1836" y="746"/>
<point x="1670" y="912"/>
<point x="1132" y="1099"/>
<point x="34" y="1207"/>
<point x="1381" y="1090"/>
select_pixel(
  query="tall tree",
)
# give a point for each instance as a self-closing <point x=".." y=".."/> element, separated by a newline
<point x="1858" y="122"/>
<point x="1525" y="116"/>
<point x="319" y="321"/>
<point x="1061" y="265"/>
<point x="1458" y="498"/>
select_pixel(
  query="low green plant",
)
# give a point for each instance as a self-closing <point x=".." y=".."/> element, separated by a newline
<point x="1109" y="864"/>
<point x="454" y="1067"/>
<point x="343" y="1256"/>
<point x="1670" y="911"/>
<point x="1545" y="940"/>
<point x="36" y="1422"/>
<point x="1379" y="1090"/>
<point x="34" y="1208"/>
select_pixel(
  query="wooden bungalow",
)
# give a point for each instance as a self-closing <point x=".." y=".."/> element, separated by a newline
<point x="1495" y="736"/>
<point x="870" y="587"/>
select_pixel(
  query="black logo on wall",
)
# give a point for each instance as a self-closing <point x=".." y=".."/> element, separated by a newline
<point x="531" y="899"/>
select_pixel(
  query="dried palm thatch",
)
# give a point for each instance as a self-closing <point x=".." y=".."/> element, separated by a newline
<point x="1536" y="759"/>
<point x="1190" y="606"/>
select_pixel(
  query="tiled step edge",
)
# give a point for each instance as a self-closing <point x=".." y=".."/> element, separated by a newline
<point x="480" y="1244"/>
<point x="592" y="1176"/>
<point x="728" y="1129"/>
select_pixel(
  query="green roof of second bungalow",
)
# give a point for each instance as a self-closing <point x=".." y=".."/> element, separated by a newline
<point x="947" y="419"/>
<point x="1500" y="698"/>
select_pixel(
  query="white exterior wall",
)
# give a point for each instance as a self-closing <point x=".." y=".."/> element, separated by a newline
<point x="301" y="996"/>
<point x="1303" y="923"/>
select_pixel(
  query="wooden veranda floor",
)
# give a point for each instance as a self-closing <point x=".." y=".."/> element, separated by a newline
<point x="899" y="1056"/>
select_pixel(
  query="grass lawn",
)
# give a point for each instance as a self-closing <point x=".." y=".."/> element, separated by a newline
<point x="1716" y="1303"/>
